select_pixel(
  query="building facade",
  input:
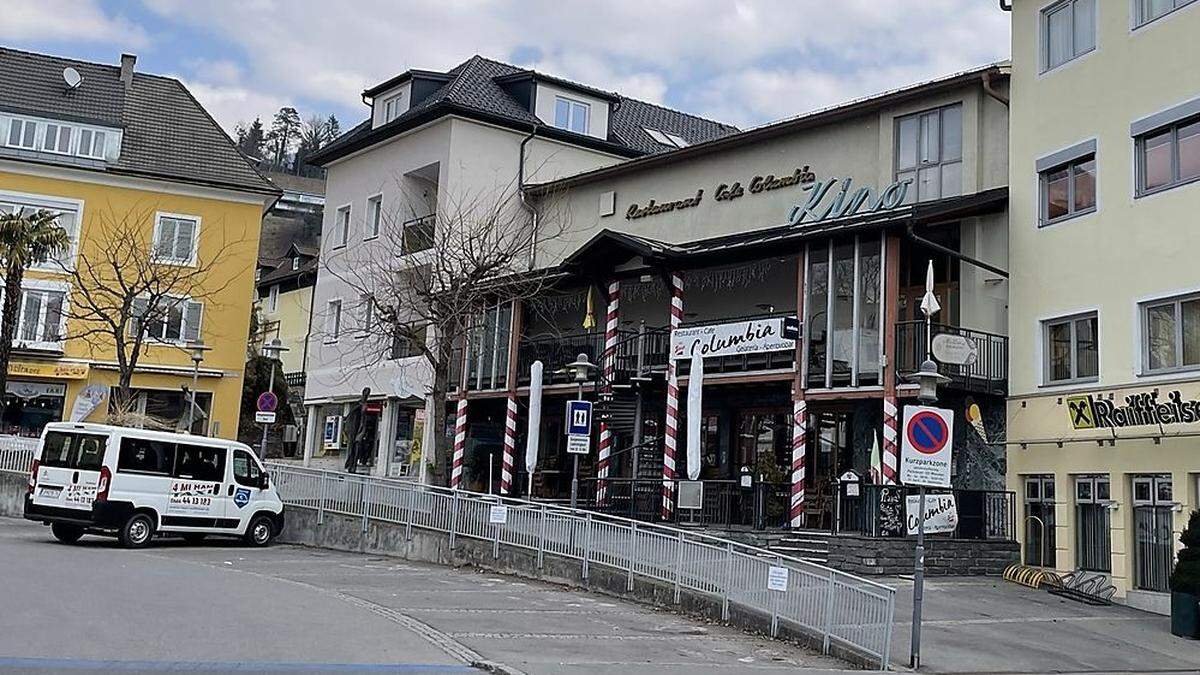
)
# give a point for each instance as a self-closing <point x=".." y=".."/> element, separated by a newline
<point x="114" y="151"/>
<point x="1104" y="312"/>
<point x="825" y="222"/>
<point x="435" y="144"/>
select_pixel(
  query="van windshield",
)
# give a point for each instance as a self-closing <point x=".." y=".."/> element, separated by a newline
<point x="68" y="450"/>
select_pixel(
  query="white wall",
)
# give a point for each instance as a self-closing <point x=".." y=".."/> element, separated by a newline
<point x="543" y="107"/>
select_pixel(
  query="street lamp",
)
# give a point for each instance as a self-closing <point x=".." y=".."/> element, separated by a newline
<point x="928" y="378"/>
<point x="582" y="368"/>
<point x="271" y="351"/>
<point x="197" y="350"/>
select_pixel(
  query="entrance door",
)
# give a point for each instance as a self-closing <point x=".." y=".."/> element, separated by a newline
<point x="1153" y="546"/>
<point x="764" y="445"/>
<point x="830" y="453"/>
<point x="1039" y="522"/>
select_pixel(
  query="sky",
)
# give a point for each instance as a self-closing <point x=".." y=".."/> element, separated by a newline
<point x="744" y="62"/>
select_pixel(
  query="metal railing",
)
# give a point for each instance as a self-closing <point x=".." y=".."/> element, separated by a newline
<point x="982" y="514"/>
<point x="988" y="374"/>
<point x="16" y="453"/>
<point x="418" y="234"/>
<point x="836" y="608"/>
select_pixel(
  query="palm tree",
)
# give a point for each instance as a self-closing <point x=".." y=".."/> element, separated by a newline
<point x="26" y="238"/>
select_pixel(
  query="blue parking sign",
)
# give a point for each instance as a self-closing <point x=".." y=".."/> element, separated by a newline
<point x="579" y="418"/>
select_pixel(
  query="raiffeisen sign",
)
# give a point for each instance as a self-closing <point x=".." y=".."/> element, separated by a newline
<point x="844" y="202"/>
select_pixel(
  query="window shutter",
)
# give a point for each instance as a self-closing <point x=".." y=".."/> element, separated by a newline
<point x="137" y="314"/>
<point x="191" y="319"/>
<point x="185" y="239"/>
<point x="165" y="244"/>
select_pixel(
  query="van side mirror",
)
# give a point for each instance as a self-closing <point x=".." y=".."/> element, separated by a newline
<point x="264" y="481"/>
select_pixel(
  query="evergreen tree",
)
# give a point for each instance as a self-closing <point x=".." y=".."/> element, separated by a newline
<point x="285" y="128"/>
<point x="1186" y="577"/>
<point x="332" y="128"/>
<point x="250" y="139"/>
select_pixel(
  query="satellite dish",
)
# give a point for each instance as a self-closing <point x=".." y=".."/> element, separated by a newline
<point x="72" y="77"/>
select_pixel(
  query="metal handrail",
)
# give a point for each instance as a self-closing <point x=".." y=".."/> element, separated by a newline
<point x="837" y="607"/>
<point x="16" y="453"/>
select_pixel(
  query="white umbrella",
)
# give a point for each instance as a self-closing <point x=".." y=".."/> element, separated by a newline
<point x="929" y="303"/>
<point x="535" y="418"/>
<point x="695" y="388"/>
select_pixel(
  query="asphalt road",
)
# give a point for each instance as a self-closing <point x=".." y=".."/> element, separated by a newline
<point x="222" y="607"/>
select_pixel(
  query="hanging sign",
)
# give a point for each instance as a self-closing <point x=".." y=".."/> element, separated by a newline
<point x="726" y="339"/>
<point x="87" y="401"/>
<point x="926" y="446"/>
<point x="955" y="350"/>
<point x="941" y="513"/>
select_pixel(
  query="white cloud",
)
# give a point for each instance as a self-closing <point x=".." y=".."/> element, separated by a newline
<point x="230" y="105"/>
<point x="67" y="20"/>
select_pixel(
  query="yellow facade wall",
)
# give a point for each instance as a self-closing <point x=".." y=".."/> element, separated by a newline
<point x="1130" y="250"/>
<point x="289" y="324"/>
<point x="229" y="234"/>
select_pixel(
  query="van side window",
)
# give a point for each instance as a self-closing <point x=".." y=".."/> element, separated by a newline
<point x="245" y="470"/>
<point x="140" y="455"/>
<point x="200" y="463"/>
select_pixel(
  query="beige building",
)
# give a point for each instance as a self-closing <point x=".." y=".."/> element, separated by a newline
<point x="1105" y="299"/>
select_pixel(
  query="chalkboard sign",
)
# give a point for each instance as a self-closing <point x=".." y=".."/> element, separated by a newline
<point x="891" y="512"/>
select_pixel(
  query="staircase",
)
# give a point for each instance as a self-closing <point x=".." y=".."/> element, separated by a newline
<point x="810" y="545"/>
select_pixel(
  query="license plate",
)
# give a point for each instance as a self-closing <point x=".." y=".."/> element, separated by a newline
<point x="50" y="491"/>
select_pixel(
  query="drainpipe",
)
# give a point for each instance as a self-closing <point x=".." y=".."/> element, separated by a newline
<point x="991" y="91"/>
<point x="533" y="214"/>
<point x="952" y="253"/>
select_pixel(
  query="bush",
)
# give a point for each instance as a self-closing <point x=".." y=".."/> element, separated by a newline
<point x="1186" y="577"/>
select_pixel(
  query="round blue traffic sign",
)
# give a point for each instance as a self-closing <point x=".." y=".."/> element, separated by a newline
<point x="928" y="433"/>
<point x="267" y="401"/>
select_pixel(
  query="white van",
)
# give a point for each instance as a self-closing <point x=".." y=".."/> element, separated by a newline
<point x="137" y="483"/>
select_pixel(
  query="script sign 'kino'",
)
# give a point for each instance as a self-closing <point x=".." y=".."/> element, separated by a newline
<point x="926" y="445"/>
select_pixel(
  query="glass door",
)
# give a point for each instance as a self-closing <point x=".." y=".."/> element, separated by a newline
<point x="1039" y="522"/>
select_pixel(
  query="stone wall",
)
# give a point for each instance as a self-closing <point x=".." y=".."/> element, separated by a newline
<point x="943" y="557"/>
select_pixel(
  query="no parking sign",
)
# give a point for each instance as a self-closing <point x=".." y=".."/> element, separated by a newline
<point x="926" y="445"/>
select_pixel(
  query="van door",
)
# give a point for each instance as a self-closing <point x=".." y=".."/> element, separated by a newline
<point x="69" y="470"/>
<point x="143" y="475"/>
<point x="197" y="492"/>
<point x="246" y="491"/>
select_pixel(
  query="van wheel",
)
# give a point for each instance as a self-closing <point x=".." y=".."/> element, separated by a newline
<point x="66" y="533"/>
<point x="260" y="532"/>
<point x="137" y="531"/>
<point x="194" y="537"/>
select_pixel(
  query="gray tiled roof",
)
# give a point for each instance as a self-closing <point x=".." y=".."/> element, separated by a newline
<point x="473" y="86"/>
<point x="167" y="133"/>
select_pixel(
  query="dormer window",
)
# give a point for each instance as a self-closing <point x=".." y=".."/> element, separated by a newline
<point x="295" y="263"/>
<point x="57" y="139"/>
<point x="91" y="143"/>
<point x="571" y="115"/>
<point x="664" y="138"/>
<point x="392" y="108"/>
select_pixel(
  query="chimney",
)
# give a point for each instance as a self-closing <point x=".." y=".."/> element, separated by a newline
<point x="127" y="61"/>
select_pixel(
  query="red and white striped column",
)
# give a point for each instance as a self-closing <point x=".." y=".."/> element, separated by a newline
<point x="799" y="446"/>
<point x="604" y="460"/>
<point x="670" y="440"/>
<point x="510" y="446"/>
<point x="891" y="451"/>
<point x="460" y="443"/>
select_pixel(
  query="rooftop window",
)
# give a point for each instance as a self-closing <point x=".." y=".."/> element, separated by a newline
<point x="571" y="115"/>
<point x="666" y="138"/>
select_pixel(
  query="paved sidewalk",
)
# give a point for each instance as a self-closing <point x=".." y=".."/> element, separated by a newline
<point x="987" y="625"/>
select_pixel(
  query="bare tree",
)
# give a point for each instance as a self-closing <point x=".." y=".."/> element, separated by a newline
<point x="423" y="283"/>
<point x="131" y="289"/>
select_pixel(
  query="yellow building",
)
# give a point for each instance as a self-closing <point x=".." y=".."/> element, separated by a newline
<point x="1104" y="320"/>
<point x="127" y="157"/>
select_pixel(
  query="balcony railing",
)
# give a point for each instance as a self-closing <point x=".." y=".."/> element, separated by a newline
<point x="418" y="234"/>
<point x="988" y="374"/>
<point x="555" y="352"/>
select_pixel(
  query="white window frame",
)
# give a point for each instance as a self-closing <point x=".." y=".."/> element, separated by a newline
<point x="89" y="152"/>
<point x="190" y="261"/>
<point x="295" y="263"/>
<point x="391" y="107"/>
<point x="41" y="285"/>
<point x="574" y="105"/>
<point x="273" y="299"/>
<point x="333" y="320"/>
<point x="1047" y="352"/>
<point x="34" y="141"/>
<point x="341" y="225"/>
<point x="1044" y="33"/>
<point x="366" y="304"/>
<point x="1138" y="17"/>
<point x="374" y="222"/>
<point x="72" y="138"/>
<point x="1144" y="329"/>
<point x="51" y="203"/>
<point x="185" y="301"/>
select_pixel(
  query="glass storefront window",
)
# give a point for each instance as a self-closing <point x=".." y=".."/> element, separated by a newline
<point x="816" y="306"/>
<point x="843" y="312"/>
<point x="29" y="406"/>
